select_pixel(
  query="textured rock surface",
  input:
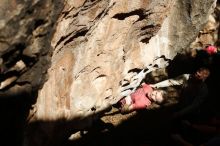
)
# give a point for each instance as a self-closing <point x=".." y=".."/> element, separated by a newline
<point x="26" y="29"/>
<point x="97" y="43"/>
<point x="95" y="46"/>
<point x="101" y="41"/>
<point x="210" y="32"/>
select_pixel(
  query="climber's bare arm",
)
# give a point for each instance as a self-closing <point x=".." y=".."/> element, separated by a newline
<point x="172" y="82"/>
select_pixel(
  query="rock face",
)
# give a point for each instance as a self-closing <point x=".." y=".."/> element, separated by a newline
<point x="210" y="32"/>
<point x="26" y="29"/>
<point x="95" y="46"/>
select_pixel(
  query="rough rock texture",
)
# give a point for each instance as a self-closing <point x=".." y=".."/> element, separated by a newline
<point x="210" y="33"/>
<point x="96" y="45"/>
<point x="101" y="41"/>
<point x="26" y="29"/>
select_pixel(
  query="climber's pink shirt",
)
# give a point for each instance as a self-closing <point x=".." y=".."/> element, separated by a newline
<point x="139" y="98"/>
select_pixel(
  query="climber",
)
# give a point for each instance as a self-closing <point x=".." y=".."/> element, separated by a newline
<point x="203" y="58"/>
<point x="141" y="98"/>
<point x="193" y="88"/>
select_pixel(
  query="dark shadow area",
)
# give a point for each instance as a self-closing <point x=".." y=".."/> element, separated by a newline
<point x="146" y="127"/>
<point x="213" y="83"/>
<point x="14" y="110"/>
